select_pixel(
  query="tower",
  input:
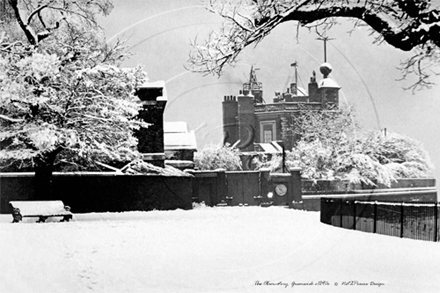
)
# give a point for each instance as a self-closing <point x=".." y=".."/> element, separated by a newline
<point x="328" y="88"/>
<point x="253" y="86"/>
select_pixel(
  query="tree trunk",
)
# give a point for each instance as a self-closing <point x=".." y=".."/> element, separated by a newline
<point x="43" y="175"/>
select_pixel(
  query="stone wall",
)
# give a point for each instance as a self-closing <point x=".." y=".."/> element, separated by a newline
<point x="102" y="192"/>
<point x="111" y="192"/>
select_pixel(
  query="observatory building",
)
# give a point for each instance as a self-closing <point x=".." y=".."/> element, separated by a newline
<point x="255" y="125"/>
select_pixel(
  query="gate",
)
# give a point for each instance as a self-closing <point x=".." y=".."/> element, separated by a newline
<point x="252" y="188"/>
<point x="243" y="187"/>
<point x="209" y="187"/>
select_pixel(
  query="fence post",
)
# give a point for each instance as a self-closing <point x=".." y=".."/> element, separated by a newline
<point x="354" y="215"/>
<point x="375" y="218"/>
<point x="436" y="222"/>
<point x="401" y="220"/>
<point x="341" y="210"/>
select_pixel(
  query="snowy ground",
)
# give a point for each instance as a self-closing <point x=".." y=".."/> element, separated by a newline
<point x="232" y="249"/>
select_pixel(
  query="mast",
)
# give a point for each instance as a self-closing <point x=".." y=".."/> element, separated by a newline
<point x="325" y="40"/>
<point x="295" y="90"/>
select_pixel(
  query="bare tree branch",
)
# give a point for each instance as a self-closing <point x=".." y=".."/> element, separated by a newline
<point x="28" y="31"/>
<point x="37" y="11"/>
<point x="4" y="117"/>
<point x="51" y="12"/>
<point x="405" y="25"/>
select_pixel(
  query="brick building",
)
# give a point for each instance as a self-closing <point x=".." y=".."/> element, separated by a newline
<point x="251" y="123"/>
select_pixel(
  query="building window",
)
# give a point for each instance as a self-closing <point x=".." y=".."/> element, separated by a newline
<point x="267" y="135"/>
<point x="267" y="131"/>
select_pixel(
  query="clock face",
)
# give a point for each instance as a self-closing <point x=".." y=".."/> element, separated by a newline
<point x="281" y="189"/>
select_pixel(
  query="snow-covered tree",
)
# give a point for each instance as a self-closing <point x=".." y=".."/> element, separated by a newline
<point x="214" y="156"/>
<point x="328" y="126"/>
<point x="332" y="146"/>
<point x="63" y="94"/>
<point x="405" y="25"/>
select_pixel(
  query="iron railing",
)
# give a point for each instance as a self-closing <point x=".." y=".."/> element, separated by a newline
<point x="415" y="220"/>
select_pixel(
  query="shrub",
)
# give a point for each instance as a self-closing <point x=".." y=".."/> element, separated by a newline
<point x="213" y="157"/>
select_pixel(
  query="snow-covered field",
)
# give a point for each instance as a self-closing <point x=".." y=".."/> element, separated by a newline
<point x="231" y="249"/>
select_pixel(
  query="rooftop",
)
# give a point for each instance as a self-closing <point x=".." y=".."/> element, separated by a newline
<point x="177" y="136"/>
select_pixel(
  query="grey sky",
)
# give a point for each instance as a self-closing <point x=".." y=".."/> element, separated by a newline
<point x="160" y="33"/>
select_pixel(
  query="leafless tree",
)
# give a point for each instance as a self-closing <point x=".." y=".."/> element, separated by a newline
<point x="37" y="19"/>
<point x="406" y="25"/>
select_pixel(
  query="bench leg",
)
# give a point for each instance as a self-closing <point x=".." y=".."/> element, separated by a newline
<point x="42" y="219"/>
<point x="66" y="218"/>
<point x="16" y="216"/>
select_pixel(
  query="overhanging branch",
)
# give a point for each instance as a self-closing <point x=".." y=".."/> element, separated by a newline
<point x="405" y="25"/>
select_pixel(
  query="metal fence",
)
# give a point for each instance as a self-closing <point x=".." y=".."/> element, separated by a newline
<point x="415" y="220"/>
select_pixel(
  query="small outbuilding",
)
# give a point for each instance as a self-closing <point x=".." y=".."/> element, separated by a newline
<point x="180" y="145"/>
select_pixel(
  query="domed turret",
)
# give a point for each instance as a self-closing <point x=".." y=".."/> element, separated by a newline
<point x="327" y="82"/>
<point x="328" y="88"/>
<point x="325" y="69"/>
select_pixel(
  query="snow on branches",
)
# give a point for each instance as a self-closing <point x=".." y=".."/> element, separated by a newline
<point x="46" y="106"/>
<point x="66" y="96"/>
<point x="406" y="25"/>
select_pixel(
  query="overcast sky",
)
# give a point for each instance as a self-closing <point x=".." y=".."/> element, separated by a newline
<point x="159" y="33"/>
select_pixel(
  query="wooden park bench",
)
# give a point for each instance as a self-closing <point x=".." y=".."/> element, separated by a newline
<point x="40" y="209"/>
